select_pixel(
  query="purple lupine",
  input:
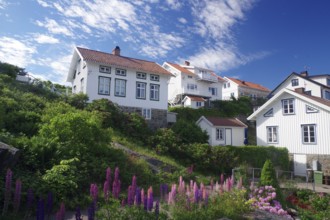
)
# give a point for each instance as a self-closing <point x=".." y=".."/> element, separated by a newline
<point x="49" y="204"/>
<point x="30" y="199"/>
<point x="7" y="196"/>
<point x="78" y="214"/>
<point x="145" y="203"/>
<point x="60" y="215"/>
<point x="196" y="193"/>
<point x="94" y="191"/>
<point x="41" y="210"/>
<point x="130" y="196"/>
<point x="138" y="196"/>
<point x="157" y="210"/>
<point x="150" y="199"/>
<point x="163" y="191"/>
<point x="17" y="195"/>
<point x="91" y="211"/>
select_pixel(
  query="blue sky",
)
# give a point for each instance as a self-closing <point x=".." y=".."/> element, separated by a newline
<point x="258" y="41"/>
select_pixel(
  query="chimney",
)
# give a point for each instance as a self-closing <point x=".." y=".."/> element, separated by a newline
<point x="187" y="63"/>
<point x="243" y="82"/>
<point x="304" y="73"/>
<point x="300" y="90"/>
<point x="116" y="51"/>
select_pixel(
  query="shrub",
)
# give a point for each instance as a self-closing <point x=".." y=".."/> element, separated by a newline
<point x="189" y="132"/>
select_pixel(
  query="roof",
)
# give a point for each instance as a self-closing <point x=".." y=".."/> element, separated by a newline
<point x="317" y="101"/>
<point x="219" y="121"/>
<point x="309" y="78"/>
<point x="249" y="84"/>
<point x="181" y="69"/>
<point x="196" y="98"/>
<point x="121" y="61"/>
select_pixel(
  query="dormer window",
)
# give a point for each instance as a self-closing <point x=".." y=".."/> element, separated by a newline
<point x="294" y="82"/>
<point x="154" y="77"/>
<point x="105" y="69"/>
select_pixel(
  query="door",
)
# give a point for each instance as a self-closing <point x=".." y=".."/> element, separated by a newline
<point x="299" y="161"/>
<point x="228" y="137"/>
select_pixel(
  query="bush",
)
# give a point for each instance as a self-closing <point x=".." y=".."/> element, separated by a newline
<point x="189" y="132"/>
<point x="164" y="141"/>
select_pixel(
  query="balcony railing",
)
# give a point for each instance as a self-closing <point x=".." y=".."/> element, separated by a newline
<point x="207" y="77"/>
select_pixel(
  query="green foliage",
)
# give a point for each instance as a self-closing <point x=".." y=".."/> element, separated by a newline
<point x="268" y="175"/>
<point x="136" y="126"/>
<point x="78" y="101"/>
<point x="164" y="141"/>
<point x="189" y="132"/>
<point x="10" y="70"/>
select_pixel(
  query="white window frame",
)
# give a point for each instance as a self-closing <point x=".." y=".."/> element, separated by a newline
<point x="308" y="133"/>
<point x="105" y="69"/>
<point x="220" y="134"/>
<point x="213" y="91"/>
<point x="199" y="104"/>
<point x="146" y="113"/>
<point x="191" y="86"/>
<point x="294" y="82"/>
<point x="141" y="75"/>
<point x="288" y="107"/>
<point x="154" y="77"/>
<point x="120" y="87"/>
<point x="272" y="134"/>
<point x="154" y="92"/>
<point x="120" y="72"/>
<point x="269" y="113"/>
<point x="103" y="85"/>
<point x="141" y="90"/>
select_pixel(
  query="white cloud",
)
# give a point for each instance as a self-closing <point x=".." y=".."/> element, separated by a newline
<point x="3" y="4"/>
<point x="16" y="52"/>
<point x="53" y="27"/>
<point x="182" y="20"/>
<point x="43" y="3"/>
<point x="45" y="39"/>
<point x="174" y="4"/>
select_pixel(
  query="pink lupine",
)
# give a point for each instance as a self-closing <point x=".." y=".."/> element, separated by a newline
<point x="142" y="195"/>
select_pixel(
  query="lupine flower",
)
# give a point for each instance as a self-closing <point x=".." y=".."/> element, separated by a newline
<point x="130" y="196"/>
<point x="138" y="196"/>
<point x="145" y="203"/>
<point x="142" y="196"/>
<point x="196" y="194"/>
<point x="150" y="201"/>
<point x="17" y="196"/>
<point x="40" y="210"/>
<point x="49" y="205"/>
<point x="94" y="191"/>
<point x="78" y="214"/>
<point x="163" y="191"/>
<point x="134" y="185"/>
<point x="7" y="196"/>
<point x="91" y="211"/>
<point x="60" y="215"/>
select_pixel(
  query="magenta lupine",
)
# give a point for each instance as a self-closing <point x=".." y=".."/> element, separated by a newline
<point x="130" y="196"/>
<point x="7" y="195"/>
<point x="17" y="195"/>
<point x="150" y="201"/>
<point x="134" y="184"/>
<point x="94" y="191"/>
<point x="60" y="215"/>
<point x="123" y="203"/>
<point x="142" y="195"/>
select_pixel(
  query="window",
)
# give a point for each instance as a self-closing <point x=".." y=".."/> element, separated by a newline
<point x="105" y="69"/>
<point x="191" y="86"/>
<point x="327" y="95"/>
<point x="120" y="87"/>
<point x="272" y="134"/>
<point x="154" y="77"/>
<point x="82" y="84"/>
<point x="104" y="85"/>
<point x="328" y="81"/>
<point x="120" y="72"/>
<point x="213" y="91"/>
<point x="310" y="109"/>
<point x="141" y="90"/>
<point x="140" y="75"/>
<point x="154" y="92"/>
<point x="190" y="77"/>
<point x="146" y="113"/>
<point x="294" y="82"/>
<point x="269" y="113"/>
<point x="219" y="135"/>
<point x="225" y="85"/>
<point x="288" y="106"/>
<point x="309" y="134"/>
<point x="199" y="104"/>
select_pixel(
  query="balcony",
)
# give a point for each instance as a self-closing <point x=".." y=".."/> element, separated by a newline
<point x="207" y="77"/>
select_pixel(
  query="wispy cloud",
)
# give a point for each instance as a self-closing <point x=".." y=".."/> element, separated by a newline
<point x="182" y="20"/>
<point x="175" y="4"/>
<point x="45" y="39"/>
<point x="3" y="4"/>
<point x="53" y="27"/>
<point x="16" y="52"/>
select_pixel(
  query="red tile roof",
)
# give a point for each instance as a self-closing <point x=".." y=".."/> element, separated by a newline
<point x="121" y="61"/>
<point x="233" y="122"/>
<point x="249" y="84"/>
<point x="196" y="99"/>
<point x="182" y="69"/>
<point x="315" y="98"/>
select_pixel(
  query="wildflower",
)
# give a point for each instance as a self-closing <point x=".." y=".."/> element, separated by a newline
<point x="130" y="196"/>
<point x="17" y="196"/>
<point x="7" y="195"/>
<point x="91" y="211"/>
<point x="138" y="197"/>
<point x="60" y="215"/>
<point x="150" y="201"/>
<point x="93" y="191"/>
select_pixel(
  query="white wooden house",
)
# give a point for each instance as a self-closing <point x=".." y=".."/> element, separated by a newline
<point x="199" y="84"/>
<point x="237" y="88"/>
<point x="223" y="131"/>
<point x="299" y="122"/>
<point x="135" y="85"/>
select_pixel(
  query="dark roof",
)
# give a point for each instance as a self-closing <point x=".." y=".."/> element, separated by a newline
<point x="309" y="78"/>
<point x="121" y="61"/>
<point x="232" y="122"/>
<point x="249" y="84"/>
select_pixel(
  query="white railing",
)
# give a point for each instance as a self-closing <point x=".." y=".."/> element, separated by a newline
<point x="207" y="77"/>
